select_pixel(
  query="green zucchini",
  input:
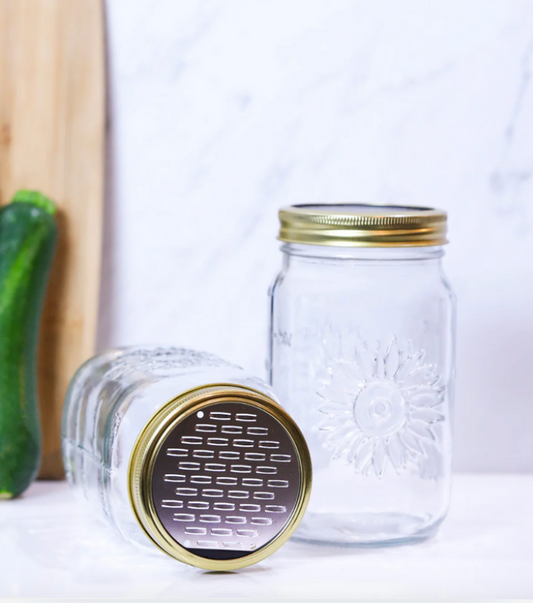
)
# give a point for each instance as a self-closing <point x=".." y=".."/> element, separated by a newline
<point x="28" y="233"/>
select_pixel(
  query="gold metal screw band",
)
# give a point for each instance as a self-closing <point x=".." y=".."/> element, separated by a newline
<point x="362" y="225"/>
<point x="153" y="436"/>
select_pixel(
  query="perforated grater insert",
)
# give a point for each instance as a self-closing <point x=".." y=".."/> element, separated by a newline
<point x="226" y="480"/>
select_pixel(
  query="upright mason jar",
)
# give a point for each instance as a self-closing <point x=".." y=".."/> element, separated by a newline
<point x="182" y="450"/>
<point x="362" y="356"/>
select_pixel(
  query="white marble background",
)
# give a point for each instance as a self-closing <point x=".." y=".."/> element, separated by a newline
<point x="221" y="111"/>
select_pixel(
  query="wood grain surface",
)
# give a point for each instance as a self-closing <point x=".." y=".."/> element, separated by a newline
<point x="52" y="122"/>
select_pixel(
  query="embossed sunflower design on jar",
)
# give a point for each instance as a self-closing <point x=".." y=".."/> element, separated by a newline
<point x="382" y="409"/>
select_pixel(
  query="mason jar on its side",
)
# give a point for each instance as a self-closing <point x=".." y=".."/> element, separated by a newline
<point x="182" y="451"/>
<point x="362" y="356"/>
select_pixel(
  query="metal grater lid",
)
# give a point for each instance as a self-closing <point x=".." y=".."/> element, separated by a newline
<point x="220" y="477"/>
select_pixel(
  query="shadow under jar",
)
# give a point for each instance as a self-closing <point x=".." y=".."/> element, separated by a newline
<point x="362" y="356"/>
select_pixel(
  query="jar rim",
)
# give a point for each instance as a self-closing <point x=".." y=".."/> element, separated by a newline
<point x="363" y="225"/>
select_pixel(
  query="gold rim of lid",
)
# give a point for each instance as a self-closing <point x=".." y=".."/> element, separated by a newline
<point x="361" y="225"/>
<point x="149" y="444"/>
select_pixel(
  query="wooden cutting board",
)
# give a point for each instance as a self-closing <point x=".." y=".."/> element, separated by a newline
<point x="52" y="121"/>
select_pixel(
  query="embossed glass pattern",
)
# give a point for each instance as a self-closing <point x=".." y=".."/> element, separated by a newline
<point x="361" y="355"/>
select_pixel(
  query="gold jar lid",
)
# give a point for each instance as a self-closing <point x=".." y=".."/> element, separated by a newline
<point x="363" y="225"/>
<point x="220" y="477"/>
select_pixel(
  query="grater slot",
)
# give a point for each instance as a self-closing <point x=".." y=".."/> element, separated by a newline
<point x="257" y="431"/>
<point x="229" y="455"/>
<point x="200" y="479"/>
<point x="238" y="494"/>
<point x="195" y="531"/>
<point x="252" y="482"/>
<point x="177" y="452"/>
<point x="243" y="443"/>
<point x="212" y="493"/>
<point x="264" y="469"/>
<point x="192" y="440"/>
<point x="246" y="417"/>
<point x="208" y="544"/>
<point x="187" y="491"/>
<point x="248" y="533"/>
<point x="172" y="504"/>
<point x="175" y="478"/>
<point x="220" y="416"/>
<point x="205" y="428"/>
<point x="264" y="495"/>
<point x="184" y="517"/>
<point x="249" y="508"/>
<point x="227" y="481"/>
<point x="261" y="521"/>
<point x="269" y="444"/>
<point x="221" y="532"/>
<point x="224" y="506"/>
<point x="189" y="466"/>
<point x="210" y="518"/>
<point x="198" y="505"/>
<point x="235" y="519"/>
<point x="203" y="454"/>
<point x="255" y="456"/>
<point x="231" y="429"/>
<point x="275" y="509"/>
<point x="216" y="467"/>
<point x="280" y="458"/>
<point x="241" y="468"/>
<point x="217" y="441"/>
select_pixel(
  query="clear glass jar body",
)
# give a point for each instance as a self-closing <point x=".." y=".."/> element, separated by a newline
<point x="111" y="399"/>
<point x="362" y="356"/>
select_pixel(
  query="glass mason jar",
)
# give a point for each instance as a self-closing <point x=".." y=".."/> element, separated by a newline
<point x="185" y="451"/>
<point x="362" y="356"/>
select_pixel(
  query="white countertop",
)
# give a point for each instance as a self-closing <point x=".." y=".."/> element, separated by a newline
<point x="51" y="548"/>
